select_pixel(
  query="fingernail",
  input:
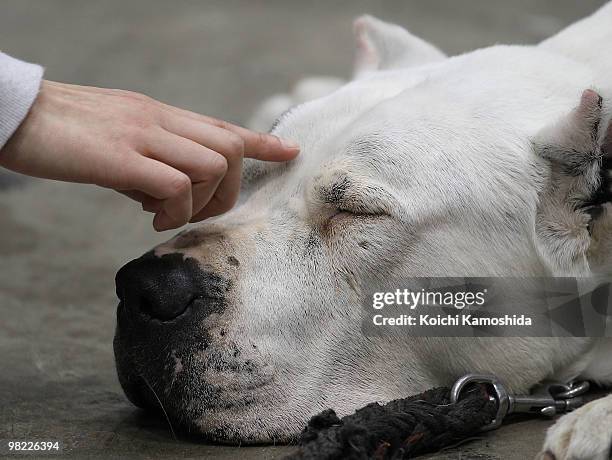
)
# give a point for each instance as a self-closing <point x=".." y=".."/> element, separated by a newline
<point x="160" y="222"/>
<point x="290" y="145"/>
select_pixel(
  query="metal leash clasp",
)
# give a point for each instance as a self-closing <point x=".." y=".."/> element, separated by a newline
<point x="548" y="398"/>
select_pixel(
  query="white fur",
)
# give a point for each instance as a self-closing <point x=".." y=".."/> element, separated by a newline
<point x="441" y="151"/>
<point x="584" y="434"/>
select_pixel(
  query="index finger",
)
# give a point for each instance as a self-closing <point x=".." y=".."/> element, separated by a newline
<point x="259" y="146"/>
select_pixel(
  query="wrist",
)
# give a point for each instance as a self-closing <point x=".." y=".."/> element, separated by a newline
<point x="19" y="86"/>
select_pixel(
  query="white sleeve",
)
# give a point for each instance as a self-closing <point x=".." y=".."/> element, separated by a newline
<point x="19" y="85"/>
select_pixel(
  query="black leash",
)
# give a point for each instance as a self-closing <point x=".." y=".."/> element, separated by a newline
<point x="427" y="422"/>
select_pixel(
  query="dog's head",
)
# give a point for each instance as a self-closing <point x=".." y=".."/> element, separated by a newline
<point x="481" y="164"/>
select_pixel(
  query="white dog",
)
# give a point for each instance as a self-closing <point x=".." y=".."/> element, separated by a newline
<point x="483" y="164"/>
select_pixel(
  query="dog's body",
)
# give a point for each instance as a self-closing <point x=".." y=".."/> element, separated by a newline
<point x="485" y="164"/>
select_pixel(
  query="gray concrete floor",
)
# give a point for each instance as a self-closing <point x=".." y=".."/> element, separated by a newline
<point x="61" y="244"/>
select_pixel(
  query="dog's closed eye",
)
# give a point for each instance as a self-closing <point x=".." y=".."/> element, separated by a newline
<point x="348" y="214"/>
<point x="347" y="196"/>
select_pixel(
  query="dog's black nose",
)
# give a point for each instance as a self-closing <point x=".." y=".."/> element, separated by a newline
<point x="161" y="287"/>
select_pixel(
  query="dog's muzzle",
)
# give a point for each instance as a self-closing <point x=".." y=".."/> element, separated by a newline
<point x="164" y="307"/>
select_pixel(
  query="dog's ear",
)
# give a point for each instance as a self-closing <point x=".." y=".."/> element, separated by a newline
<point x="382" y="46"/>
<point x="574" y="210"/>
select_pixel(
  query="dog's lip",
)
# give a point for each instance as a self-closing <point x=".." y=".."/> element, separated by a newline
<point x="231" y="395"/>
<point x="176" y="411"/>
<point x="210" y="415"/>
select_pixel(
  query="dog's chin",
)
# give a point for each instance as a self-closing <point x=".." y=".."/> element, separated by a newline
<point x="233" y="427"/>
<point x="236" y="426"/>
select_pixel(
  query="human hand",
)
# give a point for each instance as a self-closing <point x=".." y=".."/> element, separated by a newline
<point x="182" y="166"/>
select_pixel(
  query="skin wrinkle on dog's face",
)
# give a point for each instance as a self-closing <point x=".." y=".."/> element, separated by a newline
<point x="424" y="171"/>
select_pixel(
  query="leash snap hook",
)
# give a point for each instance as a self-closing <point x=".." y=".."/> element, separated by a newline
<point x="552" y="398"/>
<point x="549" y="398"/>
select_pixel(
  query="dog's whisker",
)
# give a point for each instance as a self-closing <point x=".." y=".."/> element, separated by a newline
<point x="160" y="405"/>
